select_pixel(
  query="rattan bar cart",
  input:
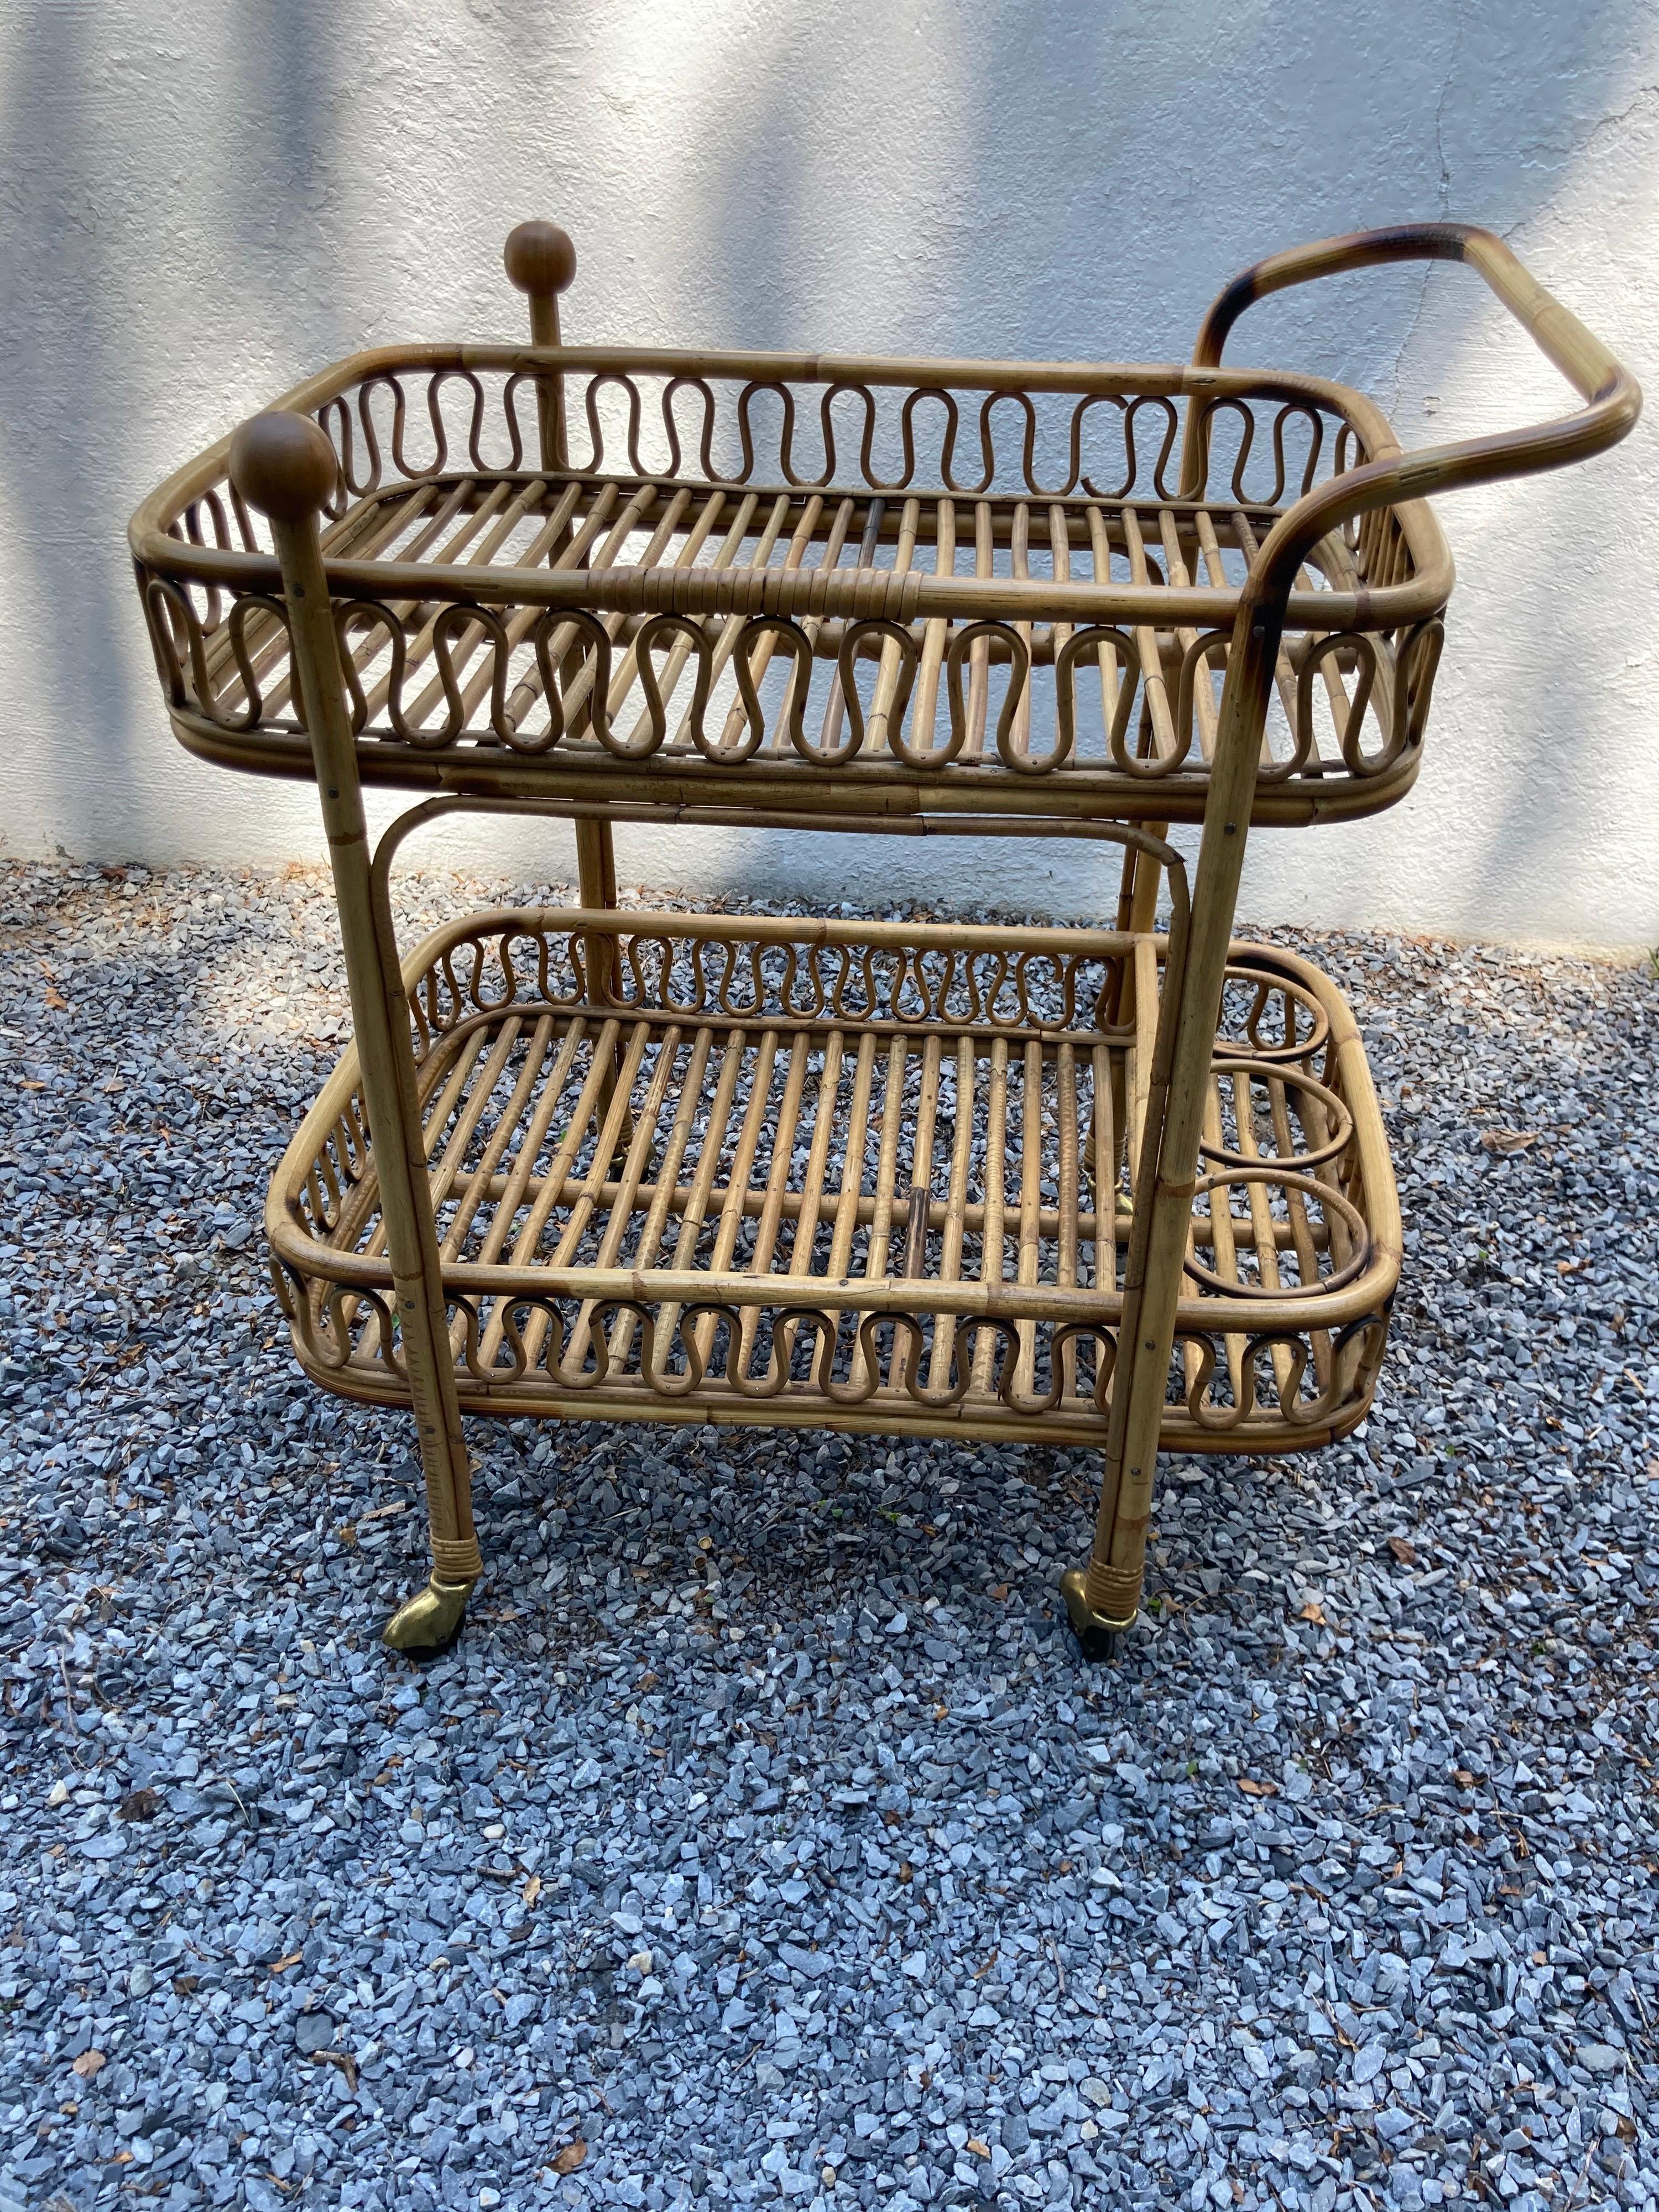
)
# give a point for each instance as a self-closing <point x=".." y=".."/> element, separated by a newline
<point x="1126" y="1186"/>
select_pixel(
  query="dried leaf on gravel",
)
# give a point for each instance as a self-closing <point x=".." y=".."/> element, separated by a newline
<point x="89" y="2063"/>
<point x="344" y="2060"/>
<point x="1504" y="1141"/>
<point x="1252" y="1788"/>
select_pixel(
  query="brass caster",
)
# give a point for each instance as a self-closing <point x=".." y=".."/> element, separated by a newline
<point x="1097" y="1636"/>
<point x="430" y="1621"/>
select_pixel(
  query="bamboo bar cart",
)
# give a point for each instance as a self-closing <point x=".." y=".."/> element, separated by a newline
<point x="1125" y="1186"/>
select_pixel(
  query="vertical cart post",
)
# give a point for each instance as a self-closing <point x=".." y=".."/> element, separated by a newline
<point x="1103" y="1599"/>
<point x="541" y="261"/>
<point x="284" y="465"/>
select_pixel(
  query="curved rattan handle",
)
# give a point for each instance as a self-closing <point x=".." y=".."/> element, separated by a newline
<point x="1613" y="396"/>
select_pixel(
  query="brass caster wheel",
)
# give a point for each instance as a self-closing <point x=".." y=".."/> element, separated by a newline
<point x="1098" y="1637"/>
<point x="430" y="1621"/>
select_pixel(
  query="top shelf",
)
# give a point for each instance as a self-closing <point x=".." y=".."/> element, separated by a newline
<point x="834" y="590"/>
<point x="869" y="586"/>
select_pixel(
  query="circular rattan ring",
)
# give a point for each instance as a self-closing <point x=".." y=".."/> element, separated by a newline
<point x="1269" y="1071"/>
<point x="1332" y="1201"/>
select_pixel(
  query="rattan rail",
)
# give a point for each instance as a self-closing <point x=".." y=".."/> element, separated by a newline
<point x="1124" y="1187"/>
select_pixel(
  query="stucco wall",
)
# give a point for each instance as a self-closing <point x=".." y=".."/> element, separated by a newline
<point x="201" y="201"/>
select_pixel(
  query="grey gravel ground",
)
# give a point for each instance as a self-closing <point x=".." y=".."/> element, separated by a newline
<point x="764" y="1834"/>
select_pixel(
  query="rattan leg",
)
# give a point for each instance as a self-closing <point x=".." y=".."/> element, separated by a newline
<point x="1098" y="1634"/>
<point x="1103" y="1599"/>
<point x="429" y="1621"/>
<point x="596" y="864"/>
<point x="286" y="467"/>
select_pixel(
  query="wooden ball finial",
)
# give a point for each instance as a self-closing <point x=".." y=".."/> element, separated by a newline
<point x="539" y="257"/>
<point x="283" y="465"/>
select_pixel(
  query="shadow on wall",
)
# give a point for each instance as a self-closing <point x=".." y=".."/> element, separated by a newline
<point x="934" y="177"/>
<point x="94" y="233"/>
<point x="58" y="375"/>
<point x="964" y="165"/>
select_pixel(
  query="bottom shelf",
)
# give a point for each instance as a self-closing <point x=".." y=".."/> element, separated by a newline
<point x="858" y="1176"/>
